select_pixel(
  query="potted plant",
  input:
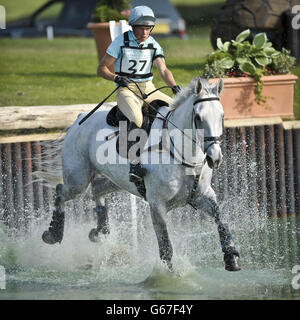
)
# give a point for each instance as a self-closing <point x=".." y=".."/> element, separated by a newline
<point x="257" y="77"/>
<point x="105" y="11"/>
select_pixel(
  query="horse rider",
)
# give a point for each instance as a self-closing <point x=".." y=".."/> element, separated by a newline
<point x="132" y="54"/>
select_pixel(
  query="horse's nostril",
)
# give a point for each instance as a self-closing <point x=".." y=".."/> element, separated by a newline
<point x="211" y="163"/>
<point x="216" y="164"/>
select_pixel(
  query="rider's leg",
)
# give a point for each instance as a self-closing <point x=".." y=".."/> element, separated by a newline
<point x="131" y="106"/>
<point x="137" y="172"/>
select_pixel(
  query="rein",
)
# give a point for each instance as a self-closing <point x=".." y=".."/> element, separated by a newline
<point x="150" y="106"/>
<point x="216" y="139"/>
<point x="166" y="121"/>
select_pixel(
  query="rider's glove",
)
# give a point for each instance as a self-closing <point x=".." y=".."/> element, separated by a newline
<point x="122" y="81"/>
<point x="176" y="89"/>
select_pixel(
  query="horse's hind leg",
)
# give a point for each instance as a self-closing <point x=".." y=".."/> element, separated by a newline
<point x="76" y="179"/>
<point x="100" y="187"/>
<point x="231" y="255"/>
<point x="56" y="230"/>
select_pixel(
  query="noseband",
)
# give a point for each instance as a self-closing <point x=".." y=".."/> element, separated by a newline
<point x="207" y="139"/>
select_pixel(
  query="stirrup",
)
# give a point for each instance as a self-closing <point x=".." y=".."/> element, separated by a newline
<point x="137" y="172"/>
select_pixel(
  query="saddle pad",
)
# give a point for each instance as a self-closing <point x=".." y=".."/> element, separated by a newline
<point x="114" y="116"/>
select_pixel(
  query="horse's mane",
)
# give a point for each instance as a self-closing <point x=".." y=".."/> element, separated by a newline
<point x="187" y="91"/>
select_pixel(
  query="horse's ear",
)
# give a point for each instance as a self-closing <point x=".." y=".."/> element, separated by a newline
<point x="198" y="86"/>
<point x="218" y="87"/>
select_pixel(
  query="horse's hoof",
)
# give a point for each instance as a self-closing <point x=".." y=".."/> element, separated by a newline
<point x="49" y="238"/>
<point x="55" y="232"/>
<point x="94" y="235"/>
<point x="232" y="262"/>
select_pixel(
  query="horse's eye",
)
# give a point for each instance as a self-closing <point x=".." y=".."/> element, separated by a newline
<point x="198" y="118"/>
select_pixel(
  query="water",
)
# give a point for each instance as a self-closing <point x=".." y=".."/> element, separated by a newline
<point x="119" y="268"/>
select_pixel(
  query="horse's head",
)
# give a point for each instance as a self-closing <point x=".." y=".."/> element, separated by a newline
<point x="208" y="115"/>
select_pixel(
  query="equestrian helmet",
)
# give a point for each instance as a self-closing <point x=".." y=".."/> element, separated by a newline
<point x="141" y="16"/>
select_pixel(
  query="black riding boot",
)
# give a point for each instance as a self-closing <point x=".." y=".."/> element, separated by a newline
<point x="56" y="230"/>
<point x="136" y="172"/>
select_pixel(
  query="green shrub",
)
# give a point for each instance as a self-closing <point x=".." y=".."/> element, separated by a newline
<point x="107" y="10"/>
<point x="240" y="58"/>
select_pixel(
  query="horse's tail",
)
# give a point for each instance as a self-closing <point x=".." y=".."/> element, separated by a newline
<point x="49" y="171"/>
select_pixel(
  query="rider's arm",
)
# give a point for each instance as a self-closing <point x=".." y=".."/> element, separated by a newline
<point x="164" y="72"/>
<point x="103" y="69"/>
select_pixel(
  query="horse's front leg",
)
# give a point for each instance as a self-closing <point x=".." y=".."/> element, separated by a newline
<point x="231" y="255"/>
<point x="158" y="210"/>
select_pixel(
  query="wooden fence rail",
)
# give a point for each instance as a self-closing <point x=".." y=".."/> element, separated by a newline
<point x="261" y="163"/>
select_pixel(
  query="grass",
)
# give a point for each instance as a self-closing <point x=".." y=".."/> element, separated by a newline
<point x="16" y="9"/>
<point x="63" y="71"/>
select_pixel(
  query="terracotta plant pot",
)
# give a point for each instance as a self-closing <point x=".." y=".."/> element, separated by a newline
<point x="238" y="97"/>
<point x="101" y="35"/>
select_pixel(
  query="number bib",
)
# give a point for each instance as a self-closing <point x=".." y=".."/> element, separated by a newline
<point x="137" y="62"/>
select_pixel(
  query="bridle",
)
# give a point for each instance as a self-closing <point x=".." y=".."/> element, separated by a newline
<point x="215" y="139"/>
<point x="212" y="139"/>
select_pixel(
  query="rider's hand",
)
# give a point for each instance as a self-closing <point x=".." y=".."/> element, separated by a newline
<point x="176" y="89"/>
<point x="122" y="81"/>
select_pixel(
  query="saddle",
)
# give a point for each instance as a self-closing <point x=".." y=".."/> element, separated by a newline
<point x="114" y="117"/>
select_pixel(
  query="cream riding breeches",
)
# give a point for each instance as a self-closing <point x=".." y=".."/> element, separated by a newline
<point x="131" y="105"/>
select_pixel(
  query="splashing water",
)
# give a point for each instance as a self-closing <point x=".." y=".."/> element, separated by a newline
<point x="118" y="268"/>
<point x="124" y="265"/>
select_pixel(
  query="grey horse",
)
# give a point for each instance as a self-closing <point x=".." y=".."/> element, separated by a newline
<point x="175" y="177"/>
